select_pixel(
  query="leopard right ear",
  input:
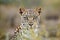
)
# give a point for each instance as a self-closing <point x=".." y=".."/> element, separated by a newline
<point x="38" y="10"/>
<point x="21" y="11"/>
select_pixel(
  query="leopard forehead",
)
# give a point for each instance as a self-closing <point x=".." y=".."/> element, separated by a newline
<point x="30" y="13"/>
<point x="29" y="17"/>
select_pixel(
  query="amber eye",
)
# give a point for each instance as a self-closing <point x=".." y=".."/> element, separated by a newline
<point x="35" y="17"/>
<point x="25" y="18"/>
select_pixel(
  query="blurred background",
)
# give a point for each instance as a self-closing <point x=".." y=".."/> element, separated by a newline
<point x="9" y="12"/>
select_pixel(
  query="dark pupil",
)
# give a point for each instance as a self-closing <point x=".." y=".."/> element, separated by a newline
<point x="52" y="17"/>
<point x="26" y="18"/>
<point x="34" y="18"/>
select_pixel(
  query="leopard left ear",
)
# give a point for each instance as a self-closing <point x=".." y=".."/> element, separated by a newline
<point x="21" y="10"/>
<point x="38" y="10"/>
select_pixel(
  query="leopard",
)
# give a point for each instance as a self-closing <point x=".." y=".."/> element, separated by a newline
<point x="29" y="24"/>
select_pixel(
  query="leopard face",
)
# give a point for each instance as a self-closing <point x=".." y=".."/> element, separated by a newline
<point x="29" y="17"/>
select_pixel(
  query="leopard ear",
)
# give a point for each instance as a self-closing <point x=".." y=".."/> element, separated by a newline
<point x="38" y="10"/>
<point x="21" y="10"/>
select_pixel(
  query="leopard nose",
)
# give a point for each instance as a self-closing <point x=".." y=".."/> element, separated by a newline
<point x="30" y="24"/>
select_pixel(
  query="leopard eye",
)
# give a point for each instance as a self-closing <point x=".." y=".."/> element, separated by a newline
<point x="34" y="18"/>
<point x="25" y="18"/>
